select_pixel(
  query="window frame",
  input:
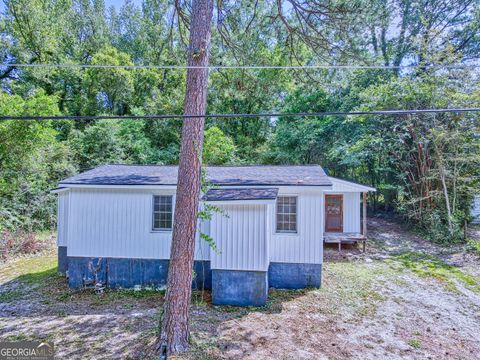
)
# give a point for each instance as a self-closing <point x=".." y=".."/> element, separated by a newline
<point x="153" y="228"/>
<point x="286" y="232"/>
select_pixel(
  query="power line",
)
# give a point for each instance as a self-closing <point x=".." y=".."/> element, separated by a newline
<point x="267" y="115"/>
<point x="245" y="67"/>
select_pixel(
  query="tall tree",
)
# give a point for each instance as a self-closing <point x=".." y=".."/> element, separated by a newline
<point x="175" y="327"/>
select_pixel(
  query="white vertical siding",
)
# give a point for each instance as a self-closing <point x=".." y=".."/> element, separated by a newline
<point x="62" y="218"/>
<point x="202" y="248"/>
<point x="351" y="212"/>
<point x="117" y="223"/>
<point x="306" y="246"/>
<point x="476" y="209"/>
<point x="241" y="238"/>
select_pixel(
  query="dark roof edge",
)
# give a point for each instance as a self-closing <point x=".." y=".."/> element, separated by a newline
<point x="219" y="166"/>
<point x="217" y="184"/>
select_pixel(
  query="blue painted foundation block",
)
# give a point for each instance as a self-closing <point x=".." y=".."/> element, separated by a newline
<point x="128" y="273"/>
<point x="229" y="287"/>
<point x="240" y="288"/>
<point x="62" y="259"/>
<point x="294" y="276"/>
<point x="83" y="271"/>
<point x="202" y="277"/>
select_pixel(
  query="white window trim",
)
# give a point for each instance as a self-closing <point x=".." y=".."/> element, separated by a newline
<point x="152" y="228"/>
<point x="287" y="232"/>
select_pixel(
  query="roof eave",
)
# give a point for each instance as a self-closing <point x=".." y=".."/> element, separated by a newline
<point x="359" y="187"/>
<point x="59" y="190"/>
<point x="241" y="202"/>
<point x="173" y="186"/>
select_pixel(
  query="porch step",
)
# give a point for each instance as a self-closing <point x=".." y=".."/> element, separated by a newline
<point x="344" y="238"/>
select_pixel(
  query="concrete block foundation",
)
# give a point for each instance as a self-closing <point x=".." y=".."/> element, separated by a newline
<point x="128" y="273"/>
<point x="202" y="277"/>
<point x="294" y="276"/>
<point x="240" y="288"/>
<point x="62" y="259"/>
<point x="229" y="287"/>
<point x="83" y="271"/>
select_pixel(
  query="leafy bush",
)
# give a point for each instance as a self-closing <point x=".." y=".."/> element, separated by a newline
<point x="436" y="228"/>
<point x="20" y="242"/>
<point x="474" y="245"/>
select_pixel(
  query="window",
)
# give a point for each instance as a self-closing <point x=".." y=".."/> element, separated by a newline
<point x="162" y="212"/>
<point x="287" y="214"/>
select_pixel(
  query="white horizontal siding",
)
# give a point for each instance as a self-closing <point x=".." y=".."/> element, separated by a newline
<point x="116" y="223"/>
<point x="241" y="238"/>
<point x="62" y="218"/>
<point x="306" y="246"/>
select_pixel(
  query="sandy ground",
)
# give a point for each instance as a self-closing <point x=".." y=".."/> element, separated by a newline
<point x="373" y="305"/>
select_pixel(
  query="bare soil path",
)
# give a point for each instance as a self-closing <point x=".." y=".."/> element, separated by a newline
<point x="405" y="298"/>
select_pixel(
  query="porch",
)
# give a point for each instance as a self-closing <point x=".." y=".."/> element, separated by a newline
<point x="346" y="214"/>
<point x="345" y="238"/>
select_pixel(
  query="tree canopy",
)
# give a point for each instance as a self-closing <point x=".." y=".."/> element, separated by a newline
<point x="424" y="166"/>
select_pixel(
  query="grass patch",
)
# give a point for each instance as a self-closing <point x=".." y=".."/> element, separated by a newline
<point x="30" y="270"/>
<point x="19" y="337"/>
<point x="10" y="296"/>
<point x="414" y="343"/>
<point x="38" y="277"/>
<point x="377" y="244"/>
<point x="352" y="285"/>
<point x="425" y="265"/>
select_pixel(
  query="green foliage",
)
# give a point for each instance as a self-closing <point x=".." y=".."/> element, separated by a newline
<point x="109" y="90"/>
<point x="111" y="141"/>
<point x="32" y="161"/>
<point x="302" y="140"/>
<point x="415" y="343"/>
<point x="474" y="245"/>
<point x="431" y="160"/>
<point x="19" y="139"/>
<point x="430" y="266"/>
<point x="218" y="149"/>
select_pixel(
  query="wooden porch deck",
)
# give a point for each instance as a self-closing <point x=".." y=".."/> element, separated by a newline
<point x="344" y="238"/>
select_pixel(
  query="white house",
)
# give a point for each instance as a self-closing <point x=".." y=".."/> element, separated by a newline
<point x="476" y="209"/>
<point x="115" y="223"/>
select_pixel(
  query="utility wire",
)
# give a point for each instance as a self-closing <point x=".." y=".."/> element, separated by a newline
<point x="217" y="67"/>
<point x="267" y="115"/>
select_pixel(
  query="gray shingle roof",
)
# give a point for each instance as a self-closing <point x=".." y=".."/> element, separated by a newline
<point x="301" y="175"/>
<point x="241" y="194"/>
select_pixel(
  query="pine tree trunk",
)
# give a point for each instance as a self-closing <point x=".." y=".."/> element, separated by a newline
<point x="175" y="328"/>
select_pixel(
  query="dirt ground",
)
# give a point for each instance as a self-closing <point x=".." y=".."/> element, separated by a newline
<point x="405" y="298"/>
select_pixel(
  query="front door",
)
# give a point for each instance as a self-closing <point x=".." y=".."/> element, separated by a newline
<point x="334" y="213"/>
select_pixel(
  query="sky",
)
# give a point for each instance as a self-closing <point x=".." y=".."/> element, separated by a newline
<point x="119" y="3"/>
